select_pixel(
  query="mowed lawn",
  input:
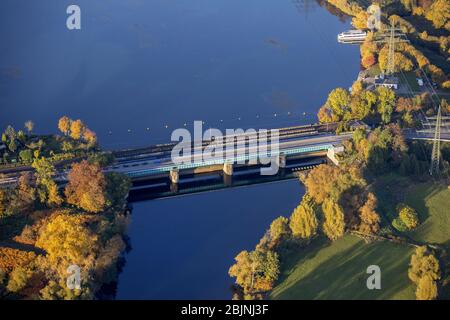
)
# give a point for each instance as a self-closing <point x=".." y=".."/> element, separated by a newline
<point x="337" y="270"/>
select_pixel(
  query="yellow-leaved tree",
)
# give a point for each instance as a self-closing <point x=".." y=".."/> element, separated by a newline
<point x="334" y="224"/>
<point x="426" y="289"/>
<point x="303" y="221"/>
<point x="424" y="272"/>
<point x="67" y="241"/>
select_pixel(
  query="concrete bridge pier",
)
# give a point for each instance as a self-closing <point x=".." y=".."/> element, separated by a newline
<point x="228" y="174"/>
<point x="281" y="162"/>
<point x="174" y="187"/>
<point x="227" y="180"/>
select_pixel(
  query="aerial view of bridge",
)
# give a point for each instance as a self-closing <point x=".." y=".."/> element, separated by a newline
<point x="299" y="148"/>
<point x="296" y="147"/>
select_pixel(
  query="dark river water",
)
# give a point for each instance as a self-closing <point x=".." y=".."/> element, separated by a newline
<point x="139" y="69"/>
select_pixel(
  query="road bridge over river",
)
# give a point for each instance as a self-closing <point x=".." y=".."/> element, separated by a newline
<point x="299" y="146"/>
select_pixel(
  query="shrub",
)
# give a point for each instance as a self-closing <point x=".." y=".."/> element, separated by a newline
<point x="398" y="224"/>
<point x="408" y="216"/>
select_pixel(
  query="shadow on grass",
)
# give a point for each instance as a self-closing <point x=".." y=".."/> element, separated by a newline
<point x="431" y="203"/>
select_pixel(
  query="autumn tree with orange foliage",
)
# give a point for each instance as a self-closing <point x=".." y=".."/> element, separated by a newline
<point x="343" y="190"/>
<point x="90" y="137"/>
<point x="255" y="271"/>
<point x="320" y="181"/>
<point x="87" y="187"/>
<point x="370" y="219"/>
<point x="77" y="129"/>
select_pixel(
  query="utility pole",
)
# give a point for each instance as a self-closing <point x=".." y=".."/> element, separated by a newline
<point x="391" y="55"/>
<point x="436" y="152"/>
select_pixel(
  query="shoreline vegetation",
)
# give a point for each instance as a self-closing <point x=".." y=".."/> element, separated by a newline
<point x="376" y="208"/>
<point x="49" y="233"/>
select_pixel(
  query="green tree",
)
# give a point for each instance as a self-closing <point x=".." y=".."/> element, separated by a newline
<point x="25" y="193"/>
<point x="117" y="187"/>
<point x="423" y="263"/>
<point x="359" y="135"/>
<point x="386" y="103"/>
<point x="339" y="102"/>
<point x="103" y="159"/>
<point x="408" y="216"/>
<point x="363" y="105"/>
<point x="12" y="146"/>
<point x="47" y="189"/>
<point x="255" y="271"/>
<point x="386" y="148"/>
<point x="26" y="155"/>
<point x="86" y="188"/>
<point x="21" y="136"/>
<point x="59" y="291"/>
<point x="3" y="202"/>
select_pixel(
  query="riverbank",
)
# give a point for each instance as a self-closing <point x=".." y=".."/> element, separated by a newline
<point x="61" y="242"/>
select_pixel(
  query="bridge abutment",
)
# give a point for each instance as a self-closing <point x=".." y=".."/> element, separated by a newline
<point x="281" y="161"/>
<point x="228" y="168"/>
<point x="332" y="152"/>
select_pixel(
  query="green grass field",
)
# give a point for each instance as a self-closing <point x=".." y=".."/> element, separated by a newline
<point x="337" y="270"/>
<point x="411" y="81"/>
<point x="432" y="203"/>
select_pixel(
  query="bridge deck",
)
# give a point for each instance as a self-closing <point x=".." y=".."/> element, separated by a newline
<point x="290" y="147"/>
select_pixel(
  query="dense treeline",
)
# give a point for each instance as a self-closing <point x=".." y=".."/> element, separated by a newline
<point x="20" y="148"/>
